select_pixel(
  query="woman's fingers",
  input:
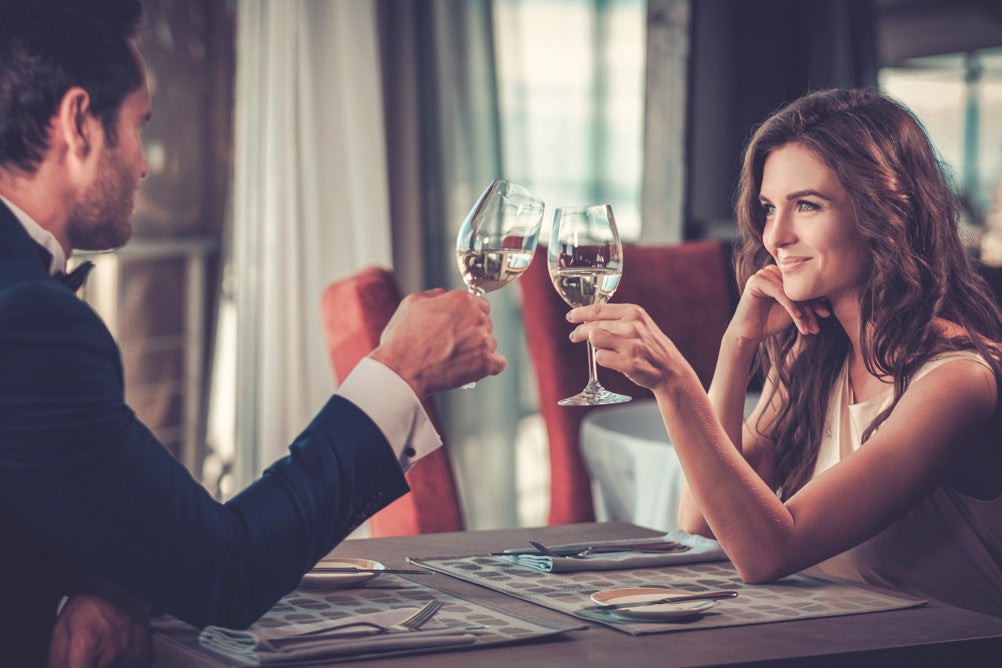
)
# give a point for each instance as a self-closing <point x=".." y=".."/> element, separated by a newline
<point x="766" y="285"/>
<point x="608" y="315"/>
<point x="627" y="340"/>
<point x="602" y="312"/>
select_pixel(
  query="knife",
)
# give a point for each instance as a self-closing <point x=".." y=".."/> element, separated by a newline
<point x="363" y="571"/>
<point x="713" y="595"/>
<point x="662" y="547"/>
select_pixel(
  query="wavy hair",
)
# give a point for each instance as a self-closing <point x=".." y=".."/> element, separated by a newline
<point x="917" y="268"/>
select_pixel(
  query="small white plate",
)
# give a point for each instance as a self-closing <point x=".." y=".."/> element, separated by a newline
<point x="319" y="579"/>
<point x="651" y="612"/>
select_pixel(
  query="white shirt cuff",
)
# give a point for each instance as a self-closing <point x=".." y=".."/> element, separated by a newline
<point x="391" y="403"/>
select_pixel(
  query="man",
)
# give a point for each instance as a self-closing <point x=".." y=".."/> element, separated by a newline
<point x="90" y="503"/>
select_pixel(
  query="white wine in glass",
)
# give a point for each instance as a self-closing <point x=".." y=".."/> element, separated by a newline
<point x="585" y="261"/>
<point x="497" y="240"/>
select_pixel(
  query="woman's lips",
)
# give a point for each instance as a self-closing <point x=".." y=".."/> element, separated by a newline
<point x="788" y="264"/>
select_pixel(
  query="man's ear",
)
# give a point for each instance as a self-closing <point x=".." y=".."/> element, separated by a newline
<point x="76" y="132"/>
<point x="74" y="123"/>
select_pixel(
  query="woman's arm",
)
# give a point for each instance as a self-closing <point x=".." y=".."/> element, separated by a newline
<point x="763" y="311"/>
<point x="916" y="448"/>
<point x="727" y="394"/>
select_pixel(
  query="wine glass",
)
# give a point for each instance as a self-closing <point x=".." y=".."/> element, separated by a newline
<point x="585" y="260"/>
<point x="497" y="240"/>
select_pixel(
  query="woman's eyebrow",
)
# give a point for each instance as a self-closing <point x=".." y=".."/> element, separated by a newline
<point x="807" y="192"/>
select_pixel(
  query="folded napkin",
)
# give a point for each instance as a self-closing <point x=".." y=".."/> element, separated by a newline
<point x="329" y="638"/>
<point x="700" y="549"/>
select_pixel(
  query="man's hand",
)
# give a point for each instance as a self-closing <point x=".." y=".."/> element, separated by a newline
<point x="440" y="340"/>
<point x="108" y="628"/>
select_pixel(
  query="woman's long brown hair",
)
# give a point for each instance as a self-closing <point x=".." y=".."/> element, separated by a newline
<point x="917" y="269"/>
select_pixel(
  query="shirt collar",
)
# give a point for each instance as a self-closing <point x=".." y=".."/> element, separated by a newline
<point x="40" y="236"/>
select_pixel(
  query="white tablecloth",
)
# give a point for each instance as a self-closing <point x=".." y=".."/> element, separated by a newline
<point x="634" y="470"/>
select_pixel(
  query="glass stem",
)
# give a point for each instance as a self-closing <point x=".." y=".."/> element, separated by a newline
<point x="592" y="367"/>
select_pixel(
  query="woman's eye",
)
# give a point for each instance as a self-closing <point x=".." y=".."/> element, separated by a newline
<point x="767" y="209"/>
<point x="804" y="205"/>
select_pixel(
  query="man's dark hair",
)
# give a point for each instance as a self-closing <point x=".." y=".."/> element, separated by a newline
<point x="46" y="48"/>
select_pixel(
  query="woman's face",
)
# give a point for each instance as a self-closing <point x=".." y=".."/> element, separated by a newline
<point x="810" y="227"/>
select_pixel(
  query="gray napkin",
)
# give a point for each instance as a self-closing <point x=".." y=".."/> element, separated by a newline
<point x="700" y="549"/>
<point x="331" y="638"/>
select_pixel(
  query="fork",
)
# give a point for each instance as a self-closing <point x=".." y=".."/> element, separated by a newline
<point x="545" y="550"/>
<point x="415" y="621"/>
<point x="412" y="623"/>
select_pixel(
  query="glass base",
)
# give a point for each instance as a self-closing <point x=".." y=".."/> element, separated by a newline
<point x="594" y="395"/>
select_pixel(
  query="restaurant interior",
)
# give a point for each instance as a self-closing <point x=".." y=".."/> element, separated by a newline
<point x="312" y="161"/>
<point x="644" y="105"/>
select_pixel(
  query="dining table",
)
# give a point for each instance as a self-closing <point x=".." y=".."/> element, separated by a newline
<point x="915" y="633"/>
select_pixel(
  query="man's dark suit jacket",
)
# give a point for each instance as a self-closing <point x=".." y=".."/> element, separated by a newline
<point x="86" y="488"/>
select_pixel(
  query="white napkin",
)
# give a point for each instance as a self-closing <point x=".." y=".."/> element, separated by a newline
<point x="700" y="549"/>
<point x="263" y="645"/>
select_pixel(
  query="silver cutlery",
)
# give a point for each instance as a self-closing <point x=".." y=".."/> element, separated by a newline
<point x="411" y="623"/>
<point x="415" y="621"/>
<point x="655" y="548"/>
<point x="708" y="596"/>
<point x="667" y="548"/>
<point x="543" y="549"/>
<point x="349" y="569"/>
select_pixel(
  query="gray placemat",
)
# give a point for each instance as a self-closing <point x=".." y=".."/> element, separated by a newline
<point x="385" y="592"/>
<point x="794" y="597"/>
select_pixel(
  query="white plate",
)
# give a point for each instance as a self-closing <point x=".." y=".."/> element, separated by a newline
<point x="319" y="579"/>
<point x="651" y="612"/>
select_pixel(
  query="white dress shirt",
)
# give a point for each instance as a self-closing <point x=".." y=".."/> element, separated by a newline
<point x="391" y="403"/>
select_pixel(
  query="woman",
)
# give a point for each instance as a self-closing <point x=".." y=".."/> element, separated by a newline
<point x="875" y="451"/>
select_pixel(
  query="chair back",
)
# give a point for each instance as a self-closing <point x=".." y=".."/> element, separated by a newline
<point x="355" y="310"/>
<point x="688" y="289"/>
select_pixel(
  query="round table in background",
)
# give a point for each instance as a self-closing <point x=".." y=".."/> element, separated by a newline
<point x="634" y="471"/>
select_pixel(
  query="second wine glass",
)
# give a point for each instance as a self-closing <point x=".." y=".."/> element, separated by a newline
<point x="497" y="240"/>
<point x="585" y="261"/>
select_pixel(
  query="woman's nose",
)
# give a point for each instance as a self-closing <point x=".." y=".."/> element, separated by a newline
<point x="778" y="230"/>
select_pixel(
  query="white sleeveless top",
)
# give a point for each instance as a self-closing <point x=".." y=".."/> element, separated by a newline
<point x="948" y="547"/>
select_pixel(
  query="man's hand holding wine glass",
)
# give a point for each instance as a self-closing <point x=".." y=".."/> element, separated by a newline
<point x="438" y="340"/>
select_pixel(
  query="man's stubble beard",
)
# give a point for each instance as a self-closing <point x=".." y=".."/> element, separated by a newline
<point x="100" y="218"/>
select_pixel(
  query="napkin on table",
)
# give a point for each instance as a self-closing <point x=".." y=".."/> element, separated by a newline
<point x="265" y="645"/>
<point x="700" y="549"/>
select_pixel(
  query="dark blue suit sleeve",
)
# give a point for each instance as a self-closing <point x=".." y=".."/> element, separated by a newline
<point x="80" y="471"/>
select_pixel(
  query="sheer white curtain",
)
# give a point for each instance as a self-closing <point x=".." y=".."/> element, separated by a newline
<point x="310" y="205"/>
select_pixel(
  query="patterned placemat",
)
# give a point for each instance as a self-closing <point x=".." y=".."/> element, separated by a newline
<point x="794" y="597"/>
<point x="386" y="592"/>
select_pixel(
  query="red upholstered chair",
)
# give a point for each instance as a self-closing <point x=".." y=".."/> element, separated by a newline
<point x="355" y="311"/>
<point x="688" y="289"/>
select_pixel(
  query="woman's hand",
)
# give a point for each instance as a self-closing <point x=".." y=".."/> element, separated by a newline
<point x="764" y="310"/>
<point x="627" y="340"/>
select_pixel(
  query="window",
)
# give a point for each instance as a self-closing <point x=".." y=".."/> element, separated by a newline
<point x="958" y="97"/>
<point x="571" y="92"/>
